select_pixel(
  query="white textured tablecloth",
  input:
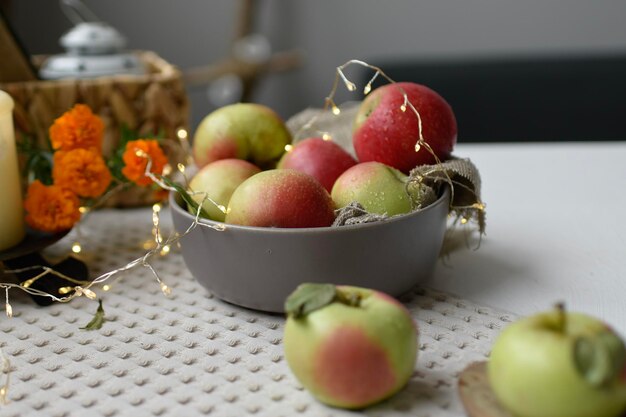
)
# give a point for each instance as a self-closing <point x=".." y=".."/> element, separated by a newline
<point x="192" y="354"/>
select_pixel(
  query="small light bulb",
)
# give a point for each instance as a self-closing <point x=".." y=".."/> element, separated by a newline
<point x="350" y="86"/>
<point x="140" y="153"/>
<point x="403" y="107"/>
<point x="167" y="170"/>
<point x="83" y="209"/>
<point x="156" y="207"/>
<point x="155" y="219"/>
<point x="463" y="220"/>
<point x="326" y="137"/>
<point x="66" y="290"/>
<point x="181" y="168"/>
<point x="367" y="88"/>
<point x="336" y="110"/>
<point x="28" y="283"/>
<point x="165" y="289"/>
<point x="181" y="133"/>
<point x="288" y="148"/>
<point x="106" y="287"/>
<point x="76" y="248"/>
<point x="418" y="147"/>
<point x="9" y="310"/>
<point x="165" y="250"/>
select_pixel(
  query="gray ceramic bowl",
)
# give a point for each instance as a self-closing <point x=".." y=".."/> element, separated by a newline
<point x="259" y="267"/>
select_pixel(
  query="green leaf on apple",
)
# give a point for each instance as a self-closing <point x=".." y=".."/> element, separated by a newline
<point x="600" y="359"/>
<point x="309" y="297"/>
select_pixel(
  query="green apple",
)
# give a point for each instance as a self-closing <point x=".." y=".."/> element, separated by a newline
<point x="379" y="188"/>
<point x="215" y="183"/>
<point x="558" y="364"/>
<point x="245" y="131"/>
<point x="350" y="347"/>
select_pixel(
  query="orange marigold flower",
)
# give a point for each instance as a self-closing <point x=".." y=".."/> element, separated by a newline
<point x="51" y="208"/>
<point x="81" y="171"/>
<point x="77" y="128"/>
<point x="136" y="157"/>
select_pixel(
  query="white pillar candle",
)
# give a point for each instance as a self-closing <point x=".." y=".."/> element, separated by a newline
<point x="11" y="211"/>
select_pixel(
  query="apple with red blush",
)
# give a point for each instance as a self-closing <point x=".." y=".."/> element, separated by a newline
<point x="248" y="131"/>
<point x="350" y="347"/>
<point x="322" y="159"/>
<point x="213" y="185"/>
<point x="379" y="188"/>
<point x="386" y="129"/>
<point x="281" y="198"/>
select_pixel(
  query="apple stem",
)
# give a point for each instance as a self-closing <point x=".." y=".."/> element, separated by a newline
<point x="350" y="298"/>
<point x="561" y="317"/>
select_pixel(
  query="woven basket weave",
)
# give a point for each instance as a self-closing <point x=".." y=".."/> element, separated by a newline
<point x="146" y="104"/>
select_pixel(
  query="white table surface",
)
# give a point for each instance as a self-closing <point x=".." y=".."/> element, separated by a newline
<point x="556" y="230"/>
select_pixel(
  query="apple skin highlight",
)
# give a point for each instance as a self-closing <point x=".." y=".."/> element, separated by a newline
<point x="353" y="356"/>
<point x="533" y="373"/>
<point x="383" y="132"/>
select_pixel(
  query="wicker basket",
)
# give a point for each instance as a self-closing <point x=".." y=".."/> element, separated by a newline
<point x="146" y="104"/>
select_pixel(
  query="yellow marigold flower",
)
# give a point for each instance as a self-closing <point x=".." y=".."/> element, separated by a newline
<point x="51" y="208"/>
<point x="81" y="171"/>
<point x="136" y="157"/>
<point x="77" y="128"/>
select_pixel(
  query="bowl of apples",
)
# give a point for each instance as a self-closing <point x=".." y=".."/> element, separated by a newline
<point x="260" y="216"/>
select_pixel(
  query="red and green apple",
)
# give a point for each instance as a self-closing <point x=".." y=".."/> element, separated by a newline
<point x="249" y="131"/>
<point x="320" y="158"/>
<point x="350" y="347"/>
<point x="379" y="188"/>
<point x="214" y="184"/>
<point x="280" y="198"/>
<point x="383" y="132"/>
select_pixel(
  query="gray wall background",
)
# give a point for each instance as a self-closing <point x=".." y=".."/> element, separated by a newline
<point x="195" y="32"/>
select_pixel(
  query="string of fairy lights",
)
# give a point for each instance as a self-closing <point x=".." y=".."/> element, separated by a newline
<point x="159" y="245"/>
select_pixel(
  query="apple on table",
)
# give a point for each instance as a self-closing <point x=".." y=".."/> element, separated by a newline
<point x="350" y="347"/>
<point x="559" y="364"/>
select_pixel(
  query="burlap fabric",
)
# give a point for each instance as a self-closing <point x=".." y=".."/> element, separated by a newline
<point x="425" y="181"/>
